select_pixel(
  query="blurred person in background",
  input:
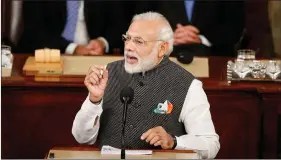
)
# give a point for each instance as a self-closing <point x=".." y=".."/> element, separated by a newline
<point x="202" y="28"/>
<point x="74" y="27"/>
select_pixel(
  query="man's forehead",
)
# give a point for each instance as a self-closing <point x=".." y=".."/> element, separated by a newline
<point x="143" y="28"/>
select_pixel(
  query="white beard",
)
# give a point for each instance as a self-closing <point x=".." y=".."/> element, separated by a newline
<point x="144" y="64"/>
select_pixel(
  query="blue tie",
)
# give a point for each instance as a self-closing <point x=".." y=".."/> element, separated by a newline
<point x="72" y="15"/>
<point x="189" y="8"/>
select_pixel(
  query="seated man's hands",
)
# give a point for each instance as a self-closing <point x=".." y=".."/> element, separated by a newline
<point x="82" y="50"/>
<point x="186" y="35"/>
<point x="158" y="136"/>
<point x="95" y="47"/>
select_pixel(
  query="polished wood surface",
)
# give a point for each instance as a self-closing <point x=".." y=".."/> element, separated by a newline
<point x="37" y="116"/>
<point x="95" y="153"/>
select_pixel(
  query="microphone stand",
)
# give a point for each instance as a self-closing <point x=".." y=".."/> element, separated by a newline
<point x="123" y="126"/>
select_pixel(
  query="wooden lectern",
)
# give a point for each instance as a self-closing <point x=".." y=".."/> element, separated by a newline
<point x="94" y="153"/>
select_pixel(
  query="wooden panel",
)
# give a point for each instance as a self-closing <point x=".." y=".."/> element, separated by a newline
<point x="4" y="134"/>
<point x="271" y="105"/>
<point x="236" y="116"/>
<point x="38" y="119"/>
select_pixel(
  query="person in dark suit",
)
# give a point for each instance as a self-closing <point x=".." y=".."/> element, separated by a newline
<point x="74" y="27"/>
<point x="202" y="27"/>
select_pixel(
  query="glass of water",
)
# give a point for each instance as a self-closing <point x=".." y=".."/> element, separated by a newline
<point x="246" y="54"/>
<point x="7" y="57"/>
<point x="273" y="69"/>
<point x="241" y="68"/>
<point x="258" y="69"/>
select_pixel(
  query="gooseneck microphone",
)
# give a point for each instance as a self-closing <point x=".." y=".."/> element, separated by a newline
<point x="126" y="97"/>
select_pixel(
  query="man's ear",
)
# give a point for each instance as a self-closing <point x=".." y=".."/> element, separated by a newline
<point x="162" y="49"/>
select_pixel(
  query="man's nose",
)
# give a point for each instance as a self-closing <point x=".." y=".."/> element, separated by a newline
<point x="129" y="45"/>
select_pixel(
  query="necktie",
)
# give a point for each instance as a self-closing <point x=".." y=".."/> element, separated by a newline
<point x="72" y="15"/>
<point x="189" y="8"/>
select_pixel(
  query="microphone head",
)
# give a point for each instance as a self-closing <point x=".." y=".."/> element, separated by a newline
<point x="127" y="94"/>
<point x="185" y="57"/>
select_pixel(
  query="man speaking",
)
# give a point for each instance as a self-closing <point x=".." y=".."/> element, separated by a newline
<point x="169" y="109"/>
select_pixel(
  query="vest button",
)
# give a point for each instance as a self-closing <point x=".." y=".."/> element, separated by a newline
<point x="141" y="83"/>
<point x="131" y="126"/>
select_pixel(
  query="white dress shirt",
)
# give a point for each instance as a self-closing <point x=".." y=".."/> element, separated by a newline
<point x="205" y="41"/>
<point x="81" y="36"/>
<point x="195" y="115"/>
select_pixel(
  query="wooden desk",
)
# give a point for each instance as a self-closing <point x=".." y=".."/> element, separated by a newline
<point x="37" y="116"/>
<point x="94" y="153"/>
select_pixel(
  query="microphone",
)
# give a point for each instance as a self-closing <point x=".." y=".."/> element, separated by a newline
<point x="185" y="57"/>
<point x="126" y="97"/>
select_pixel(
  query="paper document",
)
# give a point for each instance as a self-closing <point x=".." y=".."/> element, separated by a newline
<point x="112" y="150"/>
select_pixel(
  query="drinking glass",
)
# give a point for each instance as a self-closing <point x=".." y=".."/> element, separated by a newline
<point x="241" y="68"/>
<point x="246" y="54"/>
<point x="257" y="69"/>
<point x="7" y="57"/>
<point x="273" y="69"/>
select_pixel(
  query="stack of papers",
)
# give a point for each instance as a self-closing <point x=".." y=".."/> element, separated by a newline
<point x="111" y="150"/>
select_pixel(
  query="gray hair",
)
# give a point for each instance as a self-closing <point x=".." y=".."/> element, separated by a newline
<point x="165" y="32"/>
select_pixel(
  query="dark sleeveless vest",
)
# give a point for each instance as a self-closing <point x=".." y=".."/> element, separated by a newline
<point x="167" y="81"/>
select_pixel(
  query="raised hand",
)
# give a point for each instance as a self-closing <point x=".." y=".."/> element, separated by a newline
<point x="95" y="81"/>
